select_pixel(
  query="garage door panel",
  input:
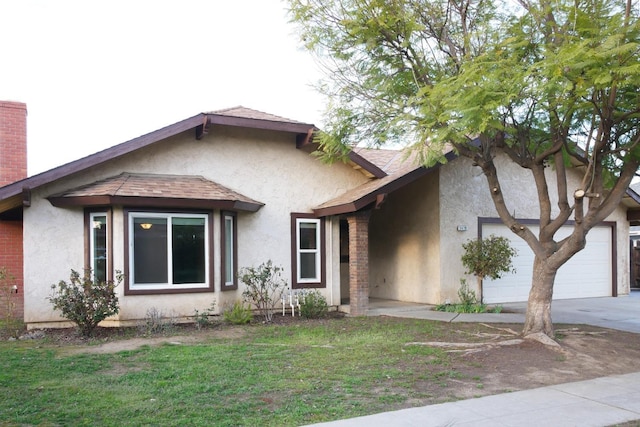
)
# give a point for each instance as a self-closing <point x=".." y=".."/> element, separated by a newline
<point x="586" y="274"/>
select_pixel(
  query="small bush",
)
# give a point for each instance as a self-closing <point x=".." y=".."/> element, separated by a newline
<point x="468" y="302"/>
<point x="156" y="322"/>
<point x="84" y="301"/>
<point x="264" y="287"/>
<point x="237" y="314"/>
<point x="202" y="319"/>
<point x="314" y="305"/>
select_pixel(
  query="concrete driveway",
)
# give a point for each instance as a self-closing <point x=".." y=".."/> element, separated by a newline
<point x="622" y="313"/>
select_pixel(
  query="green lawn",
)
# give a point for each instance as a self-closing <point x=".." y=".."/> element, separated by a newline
<point x="273" y="375"/>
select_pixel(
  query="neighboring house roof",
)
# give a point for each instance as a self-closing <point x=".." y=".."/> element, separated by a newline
<point x="16" y="195"/>
<point x="156" y="190"/>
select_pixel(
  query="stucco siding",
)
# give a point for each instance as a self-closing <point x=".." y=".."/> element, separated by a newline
<point x="404" y="244"/>
<point x="262" y="165"/>
<point x="465" y="196"/>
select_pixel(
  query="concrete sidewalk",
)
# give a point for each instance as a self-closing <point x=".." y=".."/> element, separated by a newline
<point x="600" y="402"/>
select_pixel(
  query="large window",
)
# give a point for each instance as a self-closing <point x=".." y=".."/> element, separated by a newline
<point x="98" y="245"/>
<point x="229" y="250"/>
<point x="168" y="251"/>
<point x="308" y="251"/>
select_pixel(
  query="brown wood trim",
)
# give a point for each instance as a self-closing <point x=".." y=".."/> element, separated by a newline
<point x="100" y="157"/>
<point x="160" y="202"/>
<point x="223" y="284"/>
<point x="128" y="290"/>
<point x="633" y="215"/>
<point x="294" y="253"/>
<point x="366" y="165"/>
<point x="245" y="122"/>
<point x="614" y="242"/>
<point x="394" y="184"/>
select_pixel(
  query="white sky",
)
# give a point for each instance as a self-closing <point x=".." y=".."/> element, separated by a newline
<point x="95" y="74"/>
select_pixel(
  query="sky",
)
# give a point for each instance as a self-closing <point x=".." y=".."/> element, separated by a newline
<point x="97" y="73"/>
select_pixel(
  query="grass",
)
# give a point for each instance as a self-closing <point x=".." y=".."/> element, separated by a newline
<point x="273" y="375"/>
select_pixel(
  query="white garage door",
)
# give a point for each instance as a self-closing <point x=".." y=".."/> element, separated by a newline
<point x="587" y="274"/>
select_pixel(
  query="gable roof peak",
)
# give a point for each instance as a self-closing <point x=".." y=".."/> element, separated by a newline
<point x="249" y="113"/>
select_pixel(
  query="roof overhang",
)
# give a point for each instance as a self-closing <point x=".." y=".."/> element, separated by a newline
<point x="155" y="191"/>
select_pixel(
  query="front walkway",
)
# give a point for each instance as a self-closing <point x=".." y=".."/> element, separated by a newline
<point x="621" y="313"/>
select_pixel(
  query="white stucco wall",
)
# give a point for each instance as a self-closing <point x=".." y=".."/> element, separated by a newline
<point x="262" y="165"/>
<point x="404" y="244"/>
<point x="465" y="196"/>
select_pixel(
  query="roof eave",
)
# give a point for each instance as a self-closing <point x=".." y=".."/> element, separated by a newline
<point x="153" y="202"/>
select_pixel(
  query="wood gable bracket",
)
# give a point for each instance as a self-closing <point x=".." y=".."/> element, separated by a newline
<point x="304" y="142"/>
<point x="26" y="197"/>
<point x="203" y="129"/>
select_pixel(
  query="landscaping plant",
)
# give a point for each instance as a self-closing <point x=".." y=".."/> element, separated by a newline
<point x="490" y="257"/>
<point x="86" y="301"/>
<point x="237" y="314"/>
<point x="264" y="287"/>
<point x="313" y="305"/>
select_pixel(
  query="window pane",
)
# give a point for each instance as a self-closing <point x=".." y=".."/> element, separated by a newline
<point x="150" y="250"/>
<point x="99" y="247"/>
<point x="188" y="239"/>
<point x="308" y="266"/>
<point x="308" y="235"/>
<point x="228" y="249"/>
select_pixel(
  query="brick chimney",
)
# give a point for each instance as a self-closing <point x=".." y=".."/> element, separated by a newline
<point x="13" y="167"/>
<point x="13" y="142"/>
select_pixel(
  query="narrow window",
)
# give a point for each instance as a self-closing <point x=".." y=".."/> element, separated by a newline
<point x="229" y="250"/>
<point x="98" y="249"/>
<point x="307" y="251"/>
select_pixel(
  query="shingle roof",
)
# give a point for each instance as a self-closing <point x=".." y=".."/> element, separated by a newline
<point x="401" y="168"/>
<point x="138" y="189"/>
<point x="248" y="113"/>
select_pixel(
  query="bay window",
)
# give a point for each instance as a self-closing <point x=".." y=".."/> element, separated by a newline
<point x="168" y="251"/>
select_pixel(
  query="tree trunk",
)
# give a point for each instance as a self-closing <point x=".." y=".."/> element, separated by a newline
<point x="538" y="317"/>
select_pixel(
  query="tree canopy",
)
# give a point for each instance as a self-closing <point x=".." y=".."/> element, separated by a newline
<point x="546" y="83"/>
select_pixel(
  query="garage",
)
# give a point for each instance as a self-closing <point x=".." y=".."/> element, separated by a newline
<point x="588" y="274"/>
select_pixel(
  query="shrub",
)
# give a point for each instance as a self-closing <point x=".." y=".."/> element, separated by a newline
<point x="264" y="287"/>
<point x="313" y="305"/>
<point x="202" y="318"/>
<point x="156" y="322"/>
<point x="85" y="301"/>
<point x="490" y="257"/>
<point x="237" y="314"/>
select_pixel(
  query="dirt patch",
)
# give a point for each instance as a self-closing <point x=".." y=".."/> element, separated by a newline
<point x="485" y="359"/>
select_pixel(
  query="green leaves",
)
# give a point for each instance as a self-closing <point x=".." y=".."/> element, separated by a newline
<point x="86" y="301"/>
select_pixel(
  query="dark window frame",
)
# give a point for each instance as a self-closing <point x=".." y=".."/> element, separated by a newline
<point x="295" y="284"/>
<point x="156" y="291"/>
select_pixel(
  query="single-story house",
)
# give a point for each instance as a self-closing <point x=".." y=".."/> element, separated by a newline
<point x="181" y="209"/>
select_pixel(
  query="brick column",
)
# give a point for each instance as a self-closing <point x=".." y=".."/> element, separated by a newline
<point x="359" y="262"/>
<point x="13" y="167"/>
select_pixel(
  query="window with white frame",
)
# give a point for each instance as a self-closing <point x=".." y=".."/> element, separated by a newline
<point x="229" y="250"/>
<point x="308" y="252"/>
<point x="168" y="251"/>
<point x="98" y="247"/>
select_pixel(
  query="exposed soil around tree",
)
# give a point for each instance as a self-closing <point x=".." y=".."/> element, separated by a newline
<point x="486" y="358"/>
